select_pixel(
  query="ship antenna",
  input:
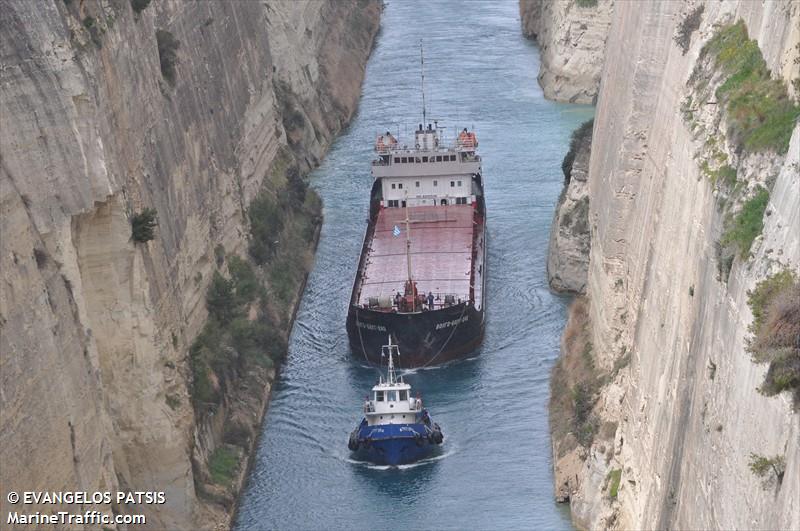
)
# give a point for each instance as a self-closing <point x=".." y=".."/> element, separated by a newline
<point x="390" y="374"/>
<point x="422" y="72"/>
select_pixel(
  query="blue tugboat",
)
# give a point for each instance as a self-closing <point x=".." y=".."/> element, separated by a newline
<point x="396" y="429"/>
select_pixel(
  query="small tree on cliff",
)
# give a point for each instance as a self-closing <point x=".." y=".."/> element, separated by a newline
<point x="143" y="225"/>
<point x="769" y="468"/>
<point x="220" y="300"/>
<point x="167" y="54"/>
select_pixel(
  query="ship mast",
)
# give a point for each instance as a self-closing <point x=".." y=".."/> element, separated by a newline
<point x="422" y="73"/>
<point x="390" y="375"/>
<point x="410" y="282"/>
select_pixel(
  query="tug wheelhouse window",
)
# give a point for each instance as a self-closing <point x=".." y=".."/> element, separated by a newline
<point x="436" y="183"/>
<point x="400" y="186"/>
<point x="417" y="184"/>
<point x="452" y="184"/>
<point x="391" y="396"/>
<point x="378" y="396"/>
<point x="403" y="395"/>
<point x="394" y="186"/>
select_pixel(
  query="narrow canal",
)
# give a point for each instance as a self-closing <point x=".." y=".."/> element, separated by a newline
<point x="495" y="470"/>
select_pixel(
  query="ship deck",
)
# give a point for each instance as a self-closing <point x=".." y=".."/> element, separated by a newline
<point x="441" y="252"/>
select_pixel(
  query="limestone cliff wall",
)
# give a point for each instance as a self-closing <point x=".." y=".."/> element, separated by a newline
<point x="665" y="328"/>
<point x="94" y="328"/>
<point x="568" y="250"/>
<point x="571" y="35"/>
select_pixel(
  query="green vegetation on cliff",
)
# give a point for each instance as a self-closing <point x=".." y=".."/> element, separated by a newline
<point x="223" y="464"/>
<point x="143" y="225"/>
<point x="775" y="303"/>
<point x="746" y="225"/>
<point x="574" y="384"/>
<point x="139" y="5"/>
<point x="167" y="54"/>
<point x="760" y="113"/>
<point x="613" y="478"/>
<point x="579" y="135"/>
<point x="230" y="341"/>
<point x="249" y="308"/>
<point x="690" y="23"/>
<point x="769" y="468"/>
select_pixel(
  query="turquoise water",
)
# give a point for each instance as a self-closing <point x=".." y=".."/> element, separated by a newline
<point x="495" y="468"/>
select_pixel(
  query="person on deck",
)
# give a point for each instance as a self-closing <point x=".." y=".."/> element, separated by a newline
<point x="430" y="300"/>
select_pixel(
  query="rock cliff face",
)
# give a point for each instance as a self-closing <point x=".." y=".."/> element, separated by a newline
<point x="99" y="122"/>
<point x="675" y="416"/>
<point x="568" y="252"/>
<point x="572" y="36"/>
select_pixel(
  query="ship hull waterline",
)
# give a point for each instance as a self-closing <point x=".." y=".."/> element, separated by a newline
<point x="390" y="445"/>
<point x="425" y="338"/>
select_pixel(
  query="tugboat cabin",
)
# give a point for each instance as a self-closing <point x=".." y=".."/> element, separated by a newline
<point x="391" y="401"/>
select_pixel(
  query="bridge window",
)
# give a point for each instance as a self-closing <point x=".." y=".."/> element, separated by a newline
<point x="393" y="203"/>
<point x="403" y="396"/>
<point x="452" y="158"/>
<point x="438" y="158"/>
<point x="400" y="185"/>
<point x="417" y="184"/>
<point x="378" y="396"/>
<point x="397" y="160"/>
<point x="424" y="159"/>
<point x="452" y="184"/>
<point x="403" y="160"/>
<point x="459" y="183"/>
<point x="391" y="396"/>
<point x="394" y="186"/>
<point x="436" y="183"/>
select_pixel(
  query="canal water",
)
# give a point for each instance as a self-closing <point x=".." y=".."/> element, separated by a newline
<point x="495" y="468"/>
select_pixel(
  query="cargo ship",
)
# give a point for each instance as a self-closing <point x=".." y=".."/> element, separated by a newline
<point x="421" y="276"/>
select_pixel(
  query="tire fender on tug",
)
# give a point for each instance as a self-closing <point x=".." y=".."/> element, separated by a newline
<point x="353" y="442"/>
<point x="437" y="434"/>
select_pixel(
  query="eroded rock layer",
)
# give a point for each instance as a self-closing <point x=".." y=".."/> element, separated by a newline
<point x="568" y="251"/>
<point x="571" y="35"/>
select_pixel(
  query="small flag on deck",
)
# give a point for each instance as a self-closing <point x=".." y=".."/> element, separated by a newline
<point x="396" y="231"/>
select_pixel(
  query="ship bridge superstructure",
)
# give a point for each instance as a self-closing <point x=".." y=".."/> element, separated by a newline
<point x="430" y="172"/>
